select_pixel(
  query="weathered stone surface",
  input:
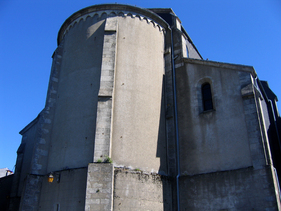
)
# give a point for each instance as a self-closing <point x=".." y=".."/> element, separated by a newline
<point x="66" y="192"/>
<point x="243" y="189"/>
<point x="135" y="190"/>
<point x="99" y="192"/>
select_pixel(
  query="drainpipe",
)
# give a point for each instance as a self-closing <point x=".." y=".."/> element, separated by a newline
<point x="176" y="119"/>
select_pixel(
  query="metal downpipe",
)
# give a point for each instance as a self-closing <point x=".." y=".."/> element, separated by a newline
<point x="176" y="120"/>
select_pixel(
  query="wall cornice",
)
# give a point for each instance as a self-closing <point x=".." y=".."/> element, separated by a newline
<point x="238" y="67"/>
<point x="112" y="10"/>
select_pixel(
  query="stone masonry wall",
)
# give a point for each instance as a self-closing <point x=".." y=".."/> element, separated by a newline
<point x="104" y="111"/>
<point x="244" y="189"/>
<point x="31" y="193"/>
<point x="66" y="192"/>
<point x="99" y="187"/>
<point x="135" y="190"/>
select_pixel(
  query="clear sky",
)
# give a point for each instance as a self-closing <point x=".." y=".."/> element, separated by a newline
<point x="235" y="31"/>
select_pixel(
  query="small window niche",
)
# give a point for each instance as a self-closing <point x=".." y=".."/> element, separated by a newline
<point x="207" y="100"/>
<point x="187" y="54"/>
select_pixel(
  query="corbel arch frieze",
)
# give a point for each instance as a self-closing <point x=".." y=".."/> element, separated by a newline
<point x="99" y="15"/>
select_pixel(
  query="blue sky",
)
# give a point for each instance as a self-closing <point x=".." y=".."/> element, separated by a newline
<point x="241" y="32"/>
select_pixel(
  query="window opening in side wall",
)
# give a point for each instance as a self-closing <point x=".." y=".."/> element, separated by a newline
<point x="207" y="96"/>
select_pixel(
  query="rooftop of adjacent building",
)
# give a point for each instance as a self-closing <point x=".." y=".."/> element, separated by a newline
<point x="5" y="172"/>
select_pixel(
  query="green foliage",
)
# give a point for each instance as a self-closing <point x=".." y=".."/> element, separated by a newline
<point x="99" y="161"/>
<point x="108" y="160"/>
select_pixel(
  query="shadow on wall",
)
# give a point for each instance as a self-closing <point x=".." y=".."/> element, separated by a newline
<point x="5" y="191"/>
<point x="161" y="142"/>
<point x="95" y="39"/>
<point x="162" y="152"/>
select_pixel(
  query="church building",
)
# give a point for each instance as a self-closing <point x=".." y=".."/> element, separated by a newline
<point x="136" y="119"/>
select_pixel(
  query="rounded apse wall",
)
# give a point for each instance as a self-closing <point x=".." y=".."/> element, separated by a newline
<point x="137" y="83"/>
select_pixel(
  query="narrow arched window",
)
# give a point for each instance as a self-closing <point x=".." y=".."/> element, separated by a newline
<point x="207" y="97"/>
